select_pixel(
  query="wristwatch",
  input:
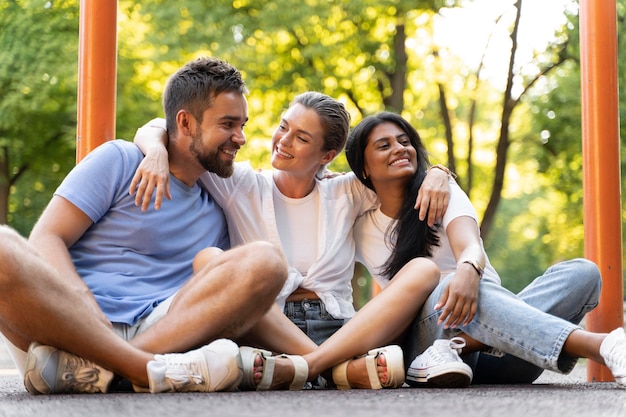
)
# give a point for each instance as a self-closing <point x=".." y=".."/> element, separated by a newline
<point x="479" y="269"/>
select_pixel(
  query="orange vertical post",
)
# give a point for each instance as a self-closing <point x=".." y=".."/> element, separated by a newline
<point x="601" y="165"/>
<point x="97" y="74"/>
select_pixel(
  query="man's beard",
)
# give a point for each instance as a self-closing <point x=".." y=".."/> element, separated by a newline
<point x="210" y="161"/>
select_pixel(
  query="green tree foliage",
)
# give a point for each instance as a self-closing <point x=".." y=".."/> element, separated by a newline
<point x="38" y="57"/>
<point x="345" y="49"/>
<point x="370" y="54"/>
<point x="555" y="147"/>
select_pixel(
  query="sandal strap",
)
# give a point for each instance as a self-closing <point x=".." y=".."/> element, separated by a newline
<point x="371" y="360"/>
<point x="269" y="364"/>
<point x="340" y="376"/>
<point x="248" y="356"/>
<point x="301" y="371"/>
<point x="395" y="366"/>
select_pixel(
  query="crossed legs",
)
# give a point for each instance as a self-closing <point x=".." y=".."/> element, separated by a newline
<point x="382" y="321"/>
<point x="225" y="299"/>
<point x="511" y="324"/>
<point x="568" y="290"/>
<point x="37" y="304"/>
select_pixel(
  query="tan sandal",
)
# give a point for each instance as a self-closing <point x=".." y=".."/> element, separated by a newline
<point x="248" y="356"/>
<point x="395" y="369"/>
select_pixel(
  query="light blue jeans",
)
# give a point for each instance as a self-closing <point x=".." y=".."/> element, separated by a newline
<point x="530" y="327"/>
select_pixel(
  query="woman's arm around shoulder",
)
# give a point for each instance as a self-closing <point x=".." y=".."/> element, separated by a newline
<point x="154" y="171"/>
<point x="434" y="194"/>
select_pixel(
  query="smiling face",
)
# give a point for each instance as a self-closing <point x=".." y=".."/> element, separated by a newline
<point x="298" y="142"/>
<point x="389" y="155"/>
<point x="216" y="141"/>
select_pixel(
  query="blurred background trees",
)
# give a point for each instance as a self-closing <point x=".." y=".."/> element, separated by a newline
<point x="504" y="114"/>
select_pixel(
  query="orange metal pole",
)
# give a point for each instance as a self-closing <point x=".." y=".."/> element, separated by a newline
<point x="97" y="74"/>
<point x="601" y="165"/>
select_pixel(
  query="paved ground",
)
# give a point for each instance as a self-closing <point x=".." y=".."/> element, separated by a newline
<point x="553" y="395"/>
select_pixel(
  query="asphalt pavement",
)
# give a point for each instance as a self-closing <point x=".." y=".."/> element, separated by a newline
<point x="552" y="395"/>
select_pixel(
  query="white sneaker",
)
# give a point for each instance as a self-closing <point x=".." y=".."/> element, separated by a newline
<point x="214" y="367"/>
<point x="53" y="371"/>
<point x="440" y="366"/>
<point x="613" y="350"/>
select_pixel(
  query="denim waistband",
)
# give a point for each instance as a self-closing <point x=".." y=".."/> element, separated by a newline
<point x="294" y="307"/>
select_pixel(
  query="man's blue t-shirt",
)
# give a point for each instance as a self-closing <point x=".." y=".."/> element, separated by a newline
<point x="132" y="260"/>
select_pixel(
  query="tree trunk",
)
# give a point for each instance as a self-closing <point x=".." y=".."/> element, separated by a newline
<point x="395" y="102"/>
<point x="470" y="148"/>
<point x="503" y="142"/>
<point x="447" y="122"/>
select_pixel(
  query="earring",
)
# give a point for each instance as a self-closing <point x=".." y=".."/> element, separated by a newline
<point x="364" y="176"/>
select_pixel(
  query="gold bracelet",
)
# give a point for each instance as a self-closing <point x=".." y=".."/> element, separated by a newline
<point x="479" y="270"/>
<point x="444" y="169"/>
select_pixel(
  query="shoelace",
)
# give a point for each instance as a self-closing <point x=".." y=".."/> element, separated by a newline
<point x="80" y="375"/>
<point x="182" y="371"/>
<point x="448" y="352"/>
<point x="457" y="343"/>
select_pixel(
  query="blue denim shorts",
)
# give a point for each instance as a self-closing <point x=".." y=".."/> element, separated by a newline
<point x="313" y="319"/>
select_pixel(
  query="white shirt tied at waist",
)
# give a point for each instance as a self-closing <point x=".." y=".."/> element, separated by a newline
<point x="248" y="203"/>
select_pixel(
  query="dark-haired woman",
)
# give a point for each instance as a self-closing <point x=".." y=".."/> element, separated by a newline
<point x="525" y="333"/>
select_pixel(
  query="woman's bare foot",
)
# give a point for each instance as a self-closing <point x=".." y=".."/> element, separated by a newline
<point x="283" y="372"/>
<point x="357" y="372"/>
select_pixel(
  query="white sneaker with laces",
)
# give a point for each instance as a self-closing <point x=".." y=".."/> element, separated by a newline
<point x="53" y="371"/>
<point x="440" y="366"/>
<point x="613" y="350"/>
<point x="214" y="367"/>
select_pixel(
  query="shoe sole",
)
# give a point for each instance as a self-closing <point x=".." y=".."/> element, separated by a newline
<point x="458" y="375"/>
<point x="447" y="380"/>
<point x="31" y="364"/>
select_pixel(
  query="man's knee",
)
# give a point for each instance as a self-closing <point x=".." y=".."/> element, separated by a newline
<point x="205" y="256"/>
<point x="9" y="238"/>
<point x="12" y="251"/>
<point x="267" y="260"/>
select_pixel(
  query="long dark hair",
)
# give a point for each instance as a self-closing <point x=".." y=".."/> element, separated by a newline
<point x="413" y="237"/>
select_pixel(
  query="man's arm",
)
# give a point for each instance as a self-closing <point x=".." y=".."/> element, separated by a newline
<point x="58" y="228"/>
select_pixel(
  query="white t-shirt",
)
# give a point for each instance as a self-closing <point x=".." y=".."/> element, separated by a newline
<point x="247" y="198"/>
<point x="372" y="250"/>
<point x="299" y="242"/>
